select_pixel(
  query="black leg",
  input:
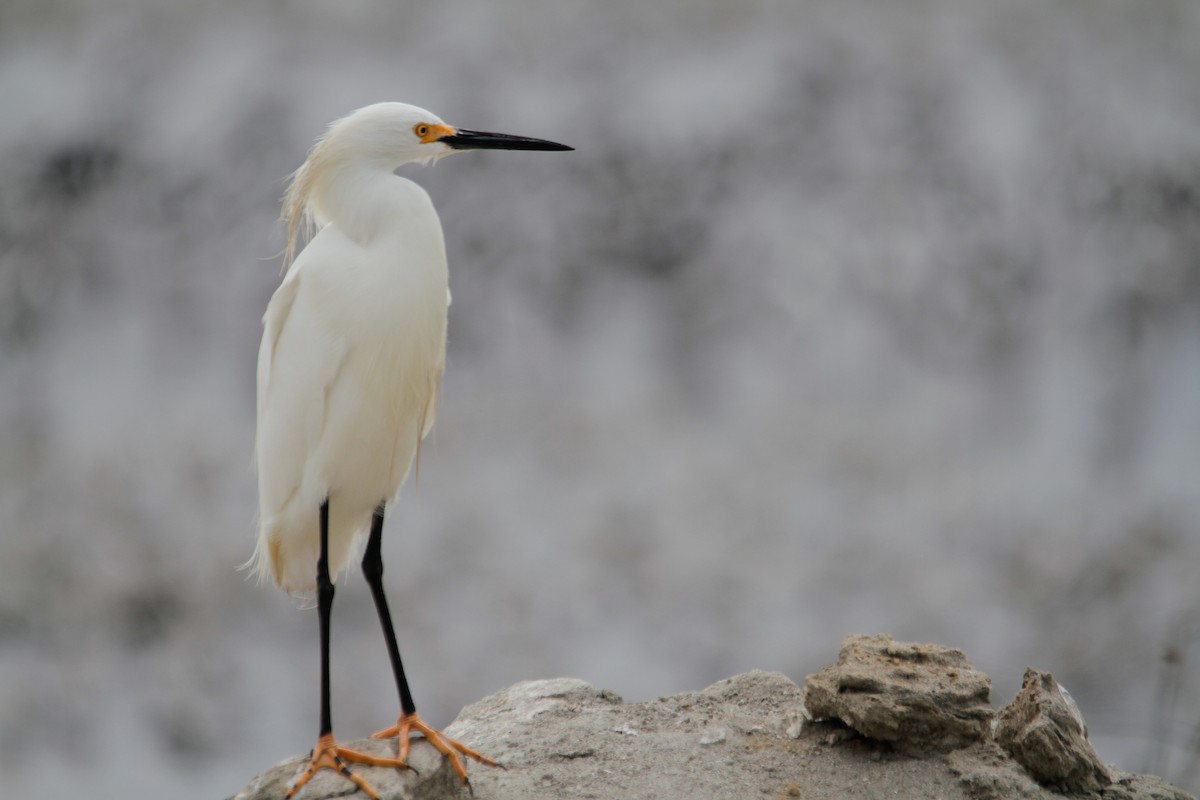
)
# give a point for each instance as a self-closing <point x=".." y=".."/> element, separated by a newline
<point x="372" y="566"/>
<point x="327" y="754"/>
<point x="324" y="607"/>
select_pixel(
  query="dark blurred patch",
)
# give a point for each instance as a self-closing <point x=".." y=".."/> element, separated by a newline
<point x="661" y="210"/>
<point x="184" y="733"/>
<point x="14" y="626"/>
<point x="971" y="305"/>
<point x="74" y="171"/>
<point x="1154" y="217"/>
<point x="147" y="617"/>
<point x="41" y="248"/>
<point x="1160" y="195"/>
<point x="24" y="294"/>
<point x="1115" y="569"/>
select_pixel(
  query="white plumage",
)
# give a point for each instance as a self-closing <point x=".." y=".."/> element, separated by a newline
<point x="353" y="345"/>
<point x="354" y="342"/>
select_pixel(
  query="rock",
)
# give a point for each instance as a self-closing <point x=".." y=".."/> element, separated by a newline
<point x="918" y="697"/>
<point x="430" y="779"/>
<point x="1043" y="730"/>
<point x="744" y="737"/>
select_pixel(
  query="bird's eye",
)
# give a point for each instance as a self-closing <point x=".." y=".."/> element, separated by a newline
<point x="421" y="130"/>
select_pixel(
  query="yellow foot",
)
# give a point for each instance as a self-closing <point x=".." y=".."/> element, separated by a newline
<point x="328" y="754"/>
<point x="450" y="748"/>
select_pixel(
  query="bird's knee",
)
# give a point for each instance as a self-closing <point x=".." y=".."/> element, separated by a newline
<point x="325" y="588"/>
<point x="372" y="566"/>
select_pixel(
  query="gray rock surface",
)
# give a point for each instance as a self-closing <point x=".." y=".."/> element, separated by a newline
<point x="744" y="737"/>
<point x="920" y="697"/>
<point x="1043" y="730"/>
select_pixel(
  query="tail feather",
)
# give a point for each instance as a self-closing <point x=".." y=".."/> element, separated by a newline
<point x="288" y="554"/>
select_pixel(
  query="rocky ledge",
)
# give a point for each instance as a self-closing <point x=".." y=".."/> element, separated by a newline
<point x="889" y="719"/>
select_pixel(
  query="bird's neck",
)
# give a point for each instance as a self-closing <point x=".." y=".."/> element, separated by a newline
<point x="360" y="199"/>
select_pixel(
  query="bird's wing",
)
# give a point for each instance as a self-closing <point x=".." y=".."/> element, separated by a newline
<point x="298" y="360"/>
<point x="273" y="321"/>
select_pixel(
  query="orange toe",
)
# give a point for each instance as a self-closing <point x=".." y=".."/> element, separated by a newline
<point x="451" y="748"/>
<point x="328" y="754"/>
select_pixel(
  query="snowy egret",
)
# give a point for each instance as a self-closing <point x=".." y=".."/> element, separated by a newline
<point x="352" y="353"/>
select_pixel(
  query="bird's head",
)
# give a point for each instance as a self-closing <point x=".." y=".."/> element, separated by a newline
<point x="387" y="136"/>
<point x="397" y="133"/>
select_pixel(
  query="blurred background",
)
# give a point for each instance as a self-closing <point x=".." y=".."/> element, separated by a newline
<point x="845" y="316"/>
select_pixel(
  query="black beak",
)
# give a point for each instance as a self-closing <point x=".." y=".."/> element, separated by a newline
<point x="463" y="139"/>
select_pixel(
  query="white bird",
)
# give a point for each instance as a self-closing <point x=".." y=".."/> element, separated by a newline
<point x="352" y="353"/>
